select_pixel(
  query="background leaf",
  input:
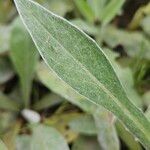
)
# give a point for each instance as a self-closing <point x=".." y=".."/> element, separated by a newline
<point x="107" y="135"/>
<point x="24" y="57"/>
<point x="45" y="137"/>
<point x="8" y="104"/>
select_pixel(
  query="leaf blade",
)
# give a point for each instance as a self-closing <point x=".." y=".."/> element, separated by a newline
<point x="101" y="88"/>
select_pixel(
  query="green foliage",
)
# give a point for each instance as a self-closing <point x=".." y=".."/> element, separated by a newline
<point x="6" y="103"/>
<point x="66" y="116"/>
<point x="81" y="67"/>
<point x="24" y="57"/>
<point x="6" y="71"/>
<point x="46" y="137"/>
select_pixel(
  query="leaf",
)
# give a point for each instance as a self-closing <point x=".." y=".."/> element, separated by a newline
<point x="145" y="24"/>
<point x="23" y="142"/>
<point x="47" y="138"/>
<point x="24" y="57"/>
<point x="127" y="137"/>
<point x="51" y="80"/>
<point x="85" y="9"/>
<point x="58" y="6"/>
<point x="84" y="125"/>
<point x="54" y="83"/>
<point x="146" y="97"/>
<point x="63" y="119"/>
<point x="8" y="104"/>
<point x="147" y="113"/>
<point x="137" y="43"/>
<point x="126" y="78"/>
<point x="85" y="26"/>
<point x="97" y="7"/>
<point x="111" y="10"/>
<point x="107" y="135"/>
<point x="78" y="61"/>
<point x="4" y="39"/>
<point x="47" y="101"/>
<point x="6" y="72"/>
<point x="86" y="143"/>
<point x="2" y="146"/>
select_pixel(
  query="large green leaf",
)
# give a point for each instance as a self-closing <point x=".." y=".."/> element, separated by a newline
<point x="47" y="138"/>
<point x="2" y="146"/>
<point x="79" y="61"/>
<point x="24" y="57"/>
<point x="83" y="124"/>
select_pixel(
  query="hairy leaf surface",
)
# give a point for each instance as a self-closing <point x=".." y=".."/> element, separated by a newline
<point x="79" y="61"/>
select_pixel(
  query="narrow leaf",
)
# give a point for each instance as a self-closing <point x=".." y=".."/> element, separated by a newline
<point x="127" y="137"/>
<point x="79" y="61"/>
<point x="111" y="10"/>
<point x="47" y="101"/>
<point x="24" y="57"/>
<point x="85" y="9"/>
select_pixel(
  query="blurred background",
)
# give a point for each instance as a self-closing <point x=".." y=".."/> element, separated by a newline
<point x="31" y="94"/>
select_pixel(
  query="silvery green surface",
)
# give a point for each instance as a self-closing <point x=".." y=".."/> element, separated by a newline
<point x="4" y="38"/>
<point x="83" y="124"/>
<point x="24" y="57"/>
<point x="54" y="83"/>
<point x="47" y="138"/>
<point x="78" y="61"/>
<point x="107" y="135"/>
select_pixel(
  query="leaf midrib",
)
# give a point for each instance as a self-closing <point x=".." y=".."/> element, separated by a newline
<point x="132" y="117"/>
<point x="97" y="82"/>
